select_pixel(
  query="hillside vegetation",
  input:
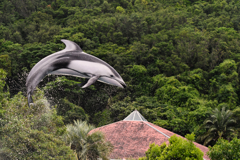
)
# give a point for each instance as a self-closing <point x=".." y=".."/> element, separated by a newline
<point x="180" y="59"/>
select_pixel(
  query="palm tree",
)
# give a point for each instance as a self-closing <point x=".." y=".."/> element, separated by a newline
<point x="218" y="125"/>
<point x="87" y="146"/>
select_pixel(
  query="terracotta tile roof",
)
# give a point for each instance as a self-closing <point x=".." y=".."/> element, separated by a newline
<point x="131" y="139"/>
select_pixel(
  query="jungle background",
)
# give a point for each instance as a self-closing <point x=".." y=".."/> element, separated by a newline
<point x="180" y="60"/>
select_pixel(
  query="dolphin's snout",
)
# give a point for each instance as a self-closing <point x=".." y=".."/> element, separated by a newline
<point x="124" y="85"/>
<point x="121" y="82"/>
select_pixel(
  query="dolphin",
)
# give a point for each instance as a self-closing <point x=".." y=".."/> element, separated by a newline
<point x="74" y="62"/>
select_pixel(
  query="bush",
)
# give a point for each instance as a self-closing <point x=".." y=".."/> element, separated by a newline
<point x="178" y="149"/>
<point x="225" y="150"/>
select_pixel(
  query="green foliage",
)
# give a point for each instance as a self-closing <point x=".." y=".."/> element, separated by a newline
<point x="32" y="144"/>
<point x="3" y="94"/>
<point x="178" y="148"/>
<point x="5" y="63"/>
<point x="71" y="112"/>
<point x="74" y="102"/>
<point x="2" y="80"/>
<point x="147" y="106"/>
<point x="32" y="133"/>
<point x="173" y="92"/>
<point x="224" y="149"/>
<point x="219" y="125"/>
<point x="87" y="146"/>
<point x="102" y="118"/>
<point x="120" y="9"/>
<point x="224" y="83"/>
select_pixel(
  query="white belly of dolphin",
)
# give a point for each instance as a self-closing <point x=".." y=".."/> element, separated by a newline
<point x="89" y="67"/>
<point x="68" y="72"/>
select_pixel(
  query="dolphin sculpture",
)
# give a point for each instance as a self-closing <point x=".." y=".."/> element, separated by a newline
<point x="74" y="62"/>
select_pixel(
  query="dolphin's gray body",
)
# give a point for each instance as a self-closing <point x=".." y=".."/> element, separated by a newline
<point x="74" y="62"/>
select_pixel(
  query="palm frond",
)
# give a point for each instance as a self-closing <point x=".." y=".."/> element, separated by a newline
<point x="218" y="125"/>
<point x="87" y="146"/>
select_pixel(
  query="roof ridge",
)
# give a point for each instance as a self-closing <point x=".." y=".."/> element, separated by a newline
<point x="156" y="129"/>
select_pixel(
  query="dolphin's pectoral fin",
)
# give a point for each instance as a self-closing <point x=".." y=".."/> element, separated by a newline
<point x="92" y="80"/>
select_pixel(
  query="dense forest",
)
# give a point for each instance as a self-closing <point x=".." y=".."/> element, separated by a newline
<point x="180" y="60"/>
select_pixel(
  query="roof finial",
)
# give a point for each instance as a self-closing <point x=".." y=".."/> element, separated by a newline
<point x="135" y="116"/>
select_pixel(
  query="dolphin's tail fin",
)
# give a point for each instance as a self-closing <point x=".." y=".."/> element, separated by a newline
<point x="29" y="99"/>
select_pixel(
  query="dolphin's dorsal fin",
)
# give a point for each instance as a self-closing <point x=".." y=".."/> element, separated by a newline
<point x="71" y="46"/>
<point x="92" y="80"/>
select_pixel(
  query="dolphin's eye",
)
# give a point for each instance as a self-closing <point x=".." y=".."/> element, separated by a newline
<point x="111" y="75"/>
